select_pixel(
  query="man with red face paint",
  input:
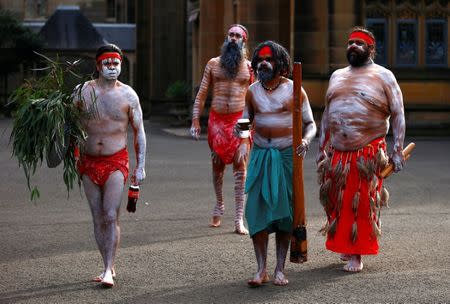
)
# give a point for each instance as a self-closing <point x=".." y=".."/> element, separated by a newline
<point x="360" y="101"/>
<point x="229" y="76"/>
<point x="269" y="106"/>
<point x="103" y="164"/>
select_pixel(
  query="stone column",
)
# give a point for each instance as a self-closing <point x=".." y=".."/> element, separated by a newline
<point x="214" y="19"/>
<point x="311" y="37"/>
<point x="265" y="20"/>
<point x="344" y="14"/>
<point x="143" y="55"/>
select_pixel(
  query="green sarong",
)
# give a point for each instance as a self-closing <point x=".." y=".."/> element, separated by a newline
<point x="269" y="190"/>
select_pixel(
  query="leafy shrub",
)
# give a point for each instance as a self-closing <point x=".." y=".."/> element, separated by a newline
<point x="178" y="89"/>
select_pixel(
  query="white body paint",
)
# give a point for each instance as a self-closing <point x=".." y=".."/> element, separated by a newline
<point x="360" y="101"/>
<point x="228" y="96"/>
<point x="273" y="110"/>
<point x="117" y="107"/>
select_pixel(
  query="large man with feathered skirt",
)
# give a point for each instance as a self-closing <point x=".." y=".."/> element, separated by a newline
<point x="360" y="100"/>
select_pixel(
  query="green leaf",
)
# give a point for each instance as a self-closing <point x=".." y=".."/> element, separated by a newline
<point x="35" y="194"/>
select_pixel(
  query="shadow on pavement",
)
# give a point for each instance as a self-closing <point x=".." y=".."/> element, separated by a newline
<point x="47" y="291"/>
<point x="239" y="292"/>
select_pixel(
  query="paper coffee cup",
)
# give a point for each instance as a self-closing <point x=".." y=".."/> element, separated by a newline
<point x="244" y="126"/>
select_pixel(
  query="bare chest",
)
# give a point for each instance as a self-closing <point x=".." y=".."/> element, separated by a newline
<point x="278" y="101"/>
<point x="107" y="106"/>
<point x="242" y="76"/>
<point x="357" y="92"/>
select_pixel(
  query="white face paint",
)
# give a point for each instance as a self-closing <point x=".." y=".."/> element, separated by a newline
<point x="356" y="44"/>
<point x="236" y="34"/>
<point x="110" y="68"/>
<point x="266" y="63"/>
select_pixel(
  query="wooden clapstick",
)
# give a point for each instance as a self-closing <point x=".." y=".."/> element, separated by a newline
<point x="406" y="154"/>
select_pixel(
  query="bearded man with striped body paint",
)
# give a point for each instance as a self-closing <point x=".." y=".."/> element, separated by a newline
<point x="229" y="76"/>
<point x="269" y="106"/>
<point x="360" y="101"/>
<point x="103" y="164"/>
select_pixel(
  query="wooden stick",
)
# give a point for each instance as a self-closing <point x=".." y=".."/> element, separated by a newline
<point x="299" y="245"/>
<point x="406" y="154"/>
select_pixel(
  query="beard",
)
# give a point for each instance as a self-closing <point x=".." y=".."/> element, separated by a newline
<point x="230" y="58"/>
<point x="357" y="58"/>
<point x="265" y="73"/>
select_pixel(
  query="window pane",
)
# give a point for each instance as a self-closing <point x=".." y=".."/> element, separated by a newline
<point x="42" y="8"/>
<point x="30" y="11"/>
<point x="111" y="9"/>
<point x="436" y="44"/>
<point x="407" y="42"/>
<point x="379" y="29"/>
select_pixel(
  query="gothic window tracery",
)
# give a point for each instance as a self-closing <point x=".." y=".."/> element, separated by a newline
<point x="409" y="32"/>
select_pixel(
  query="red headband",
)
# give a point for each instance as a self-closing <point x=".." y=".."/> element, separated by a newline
<point x="109" y="55"/>
<point x="265" y="51"/>
<point x="363" y="36"/>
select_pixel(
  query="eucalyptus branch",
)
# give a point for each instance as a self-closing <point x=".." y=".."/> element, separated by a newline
<point x="47" y="119"/>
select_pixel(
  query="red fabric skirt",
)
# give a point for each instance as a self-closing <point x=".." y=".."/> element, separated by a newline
<point x="221" y="139"/>
<point x="99" y="168"/>
<point x="341" y="208"/>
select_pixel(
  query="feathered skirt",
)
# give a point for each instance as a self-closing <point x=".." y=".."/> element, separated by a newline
<point x="352" y="194"/>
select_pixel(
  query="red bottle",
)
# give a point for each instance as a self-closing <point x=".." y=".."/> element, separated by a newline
<point x="133" y="195"/>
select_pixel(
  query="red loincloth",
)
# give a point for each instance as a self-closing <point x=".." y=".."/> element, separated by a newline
<point x="221" y="139"/>
<point x="367" y="215"/>
<point x="99" y="168"/>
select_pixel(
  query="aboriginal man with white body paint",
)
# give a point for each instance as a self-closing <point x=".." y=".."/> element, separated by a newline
<point x="103" y="164"/>
<point x="269" y="106"/>
<point x="360" y="100"/>
<point x="229" y="76"/>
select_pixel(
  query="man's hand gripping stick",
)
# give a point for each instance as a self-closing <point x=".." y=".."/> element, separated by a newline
<point x="406" y="154"/>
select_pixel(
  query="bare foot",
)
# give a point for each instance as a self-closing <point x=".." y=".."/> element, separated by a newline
<point x="259" y="279"/>
<point x="280" y="279"/>
<point x="345" y="257"/>
<point x="240" y="229"/>
<point x="215" y="222"/>
<point x="99" y="278"/>
<point x="354" y="264"/>
<point x="107" y="280"/>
